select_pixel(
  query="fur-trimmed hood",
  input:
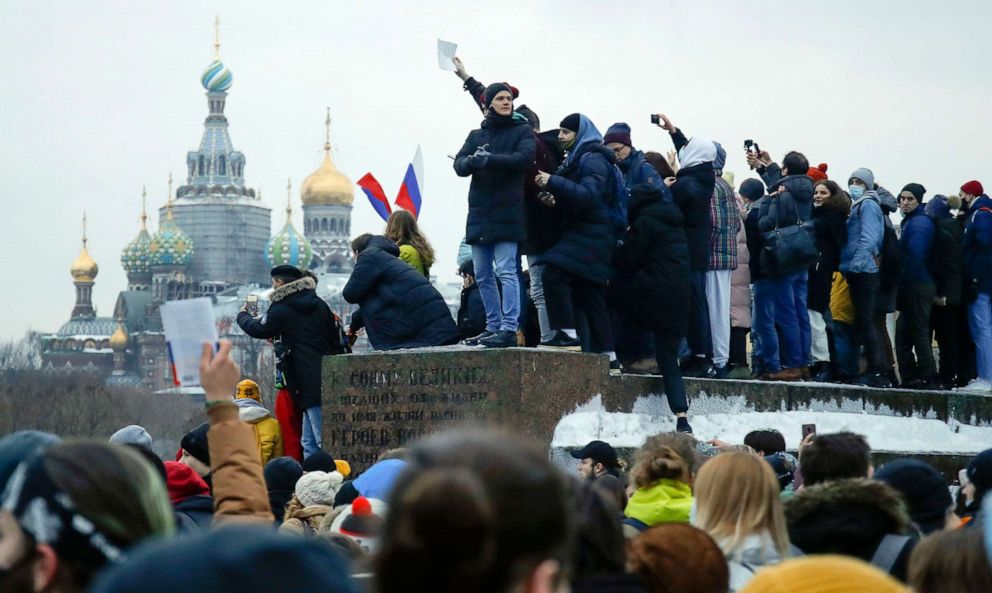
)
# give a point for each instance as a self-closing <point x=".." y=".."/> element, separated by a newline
<point x="849" y="516"/>
<point x="291" y="288"/>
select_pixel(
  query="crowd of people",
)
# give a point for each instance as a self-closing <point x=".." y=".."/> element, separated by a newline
<point x="481" y="512"/>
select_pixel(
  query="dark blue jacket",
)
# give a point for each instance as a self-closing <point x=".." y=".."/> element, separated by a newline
<point x="303" y="322"/>
<point x="977" y="246"/>
<point x="789" y="207"/>
<point x="399" y="306"/>
<point x="915" y="246"/>
<point x="637" y="170"/>
<point x="797" y="187"/>
<point x="496" y="195"/>
<point x="581" y="188"/>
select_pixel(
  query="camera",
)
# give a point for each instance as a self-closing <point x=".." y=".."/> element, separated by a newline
<point x="751" y="146"/>
<point x="655" y="119"/>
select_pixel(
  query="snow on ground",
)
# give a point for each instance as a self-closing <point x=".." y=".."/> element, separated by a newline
<point x="884" y="433"/>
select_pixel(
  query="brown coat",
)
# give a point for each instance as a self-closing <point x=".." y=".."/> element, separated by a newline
<point x="239" y="488"/>
<point x="305" y="521"/>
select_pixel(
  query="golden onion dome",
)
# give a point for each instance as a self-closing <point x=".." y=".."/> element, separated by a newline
<point x="327" y="185"/>
<point x="118" y="341"/>
<point x="84" y="269"/>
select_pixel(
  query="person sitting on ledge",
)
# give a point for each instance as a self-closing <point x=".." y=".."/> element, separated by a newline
<point x="398" y="306"/>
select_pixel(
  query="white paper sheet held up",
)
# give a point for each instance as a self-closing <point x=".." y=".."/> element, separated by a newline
<point x="188" y="324"/>
<point x="446" y="55"/>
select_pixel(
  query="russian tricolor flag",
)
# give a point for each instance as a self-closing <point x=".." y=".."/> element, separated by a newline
<point x="409" y="196"/>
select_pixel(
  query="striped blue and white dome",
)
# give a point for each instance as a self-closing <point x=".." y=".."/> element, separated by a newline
<point x="289" y="247"/>
<point x="216" y="78"/>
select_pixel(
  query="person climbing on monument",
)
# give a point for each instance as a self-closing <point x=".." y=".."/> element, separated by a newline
<point x="497" y="156"/>
<point x="304" y="325"/>
<point x="398" y="306"/>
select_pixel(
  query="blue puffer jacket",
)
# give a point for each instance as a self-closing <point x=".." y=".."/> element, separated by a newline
<point x="797" y="187"/>
<point x="581" y="188"/>
<point x="915" y="245"/>
<point x="399" y="306"/>
<point x="977" y="246"/>
<point x="865" y="232"/>
<point x="637" y="170"/>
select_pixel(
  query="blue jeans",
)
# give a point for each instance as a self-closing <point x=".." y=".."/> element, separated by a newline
<point x="490" y="261"/>
<point x="980" y="320"/>
<point x="792" y="319"/>
<point x="846" y="349"/>
<point x="310" y="438"/>
<point x="763" y="327"/>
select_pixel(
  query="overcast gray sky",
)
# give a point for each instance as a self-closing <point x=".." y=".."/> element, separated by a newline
<point x="100" y="98"/>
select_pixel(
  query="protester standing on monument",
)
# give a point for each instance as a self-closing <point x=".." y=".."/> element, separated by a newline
<point x="724" y="224"/>
<point x="917" y="292"/>
<point x="693" y="192"/>
<point x="577" y="267"/>
<point x="415" y="249"/>
<point x="978" y="279"/>
<point x="304" y="326"/>
<point x="831" y="207"/>
<point x="497" y="156"/>
<point x="948" y="267"/>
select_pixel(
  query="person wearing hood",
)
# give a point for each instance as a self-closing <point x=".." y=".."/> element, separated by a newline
<point x="859" y="264"/>
<point x="303" y="324"/>
<point x="281" y="475"/>
<point x="577" y="267"/>
<point x="977" y="248"/>
<point x="692" y="191"/>
<point x="652" y="283"/>
<point x="497" y="156"/>
<point x="190" y="497"/>
<point x="724" y="223"/>
<point x="267" y="433"/>
<point x="635" y="346"/>
<point x="947" y="270"/>
<point x="917" y="291"/>
<point x="399" y="306"/>
<point x="789" y="202"/>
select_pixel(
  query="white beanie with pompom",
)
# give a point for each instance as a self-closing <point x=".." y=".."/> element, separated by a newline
<point x="318" y="488"/>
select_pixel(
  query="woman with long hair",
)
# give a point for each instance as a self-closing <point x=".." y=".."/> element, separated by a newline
<point x="415" y="249"/>
<point x="831" y="207"/>
<point x="738" y="505"/>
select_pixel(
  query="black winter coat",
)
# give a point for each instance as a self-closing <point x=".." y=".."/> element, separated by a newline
<point x="692" y="191"/>
<point x="471" y="312"/>
<point x="831" y="234"/>
<point x="652" y="282"/>
<point x="789" y="206"/>
<point x="399" y="306"/>
<point x="304" y="324"/>
<point x="752" y="235"/>
<point x="582" y="191"/>
<point x="496" y="195"/>
<point x="949" y="261"/>
<point x="194" y="513"/>
<point x="544" y="224"/>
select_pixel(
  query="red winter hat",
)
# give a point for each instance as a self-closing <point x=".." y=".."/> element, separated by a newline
<point x="973" y="187"/>
<point x="818" y="173"/>
<point x="183" y="482"/>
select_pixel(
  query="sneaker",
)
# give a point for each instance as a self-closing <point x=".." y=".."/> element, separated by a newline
<point x="824" y="374"/>
<point x="474" y="340"/>
<point x="699" y="368"/>
<point x="562" y="341"/>
<point x="876" y="380"/>
<point x="741" y="373"/>
<point x="615" y="367"/>
<point x="500" y="339"/>
<point x="682" y="424"/>
<point x="721" y="372"/>
<point x="977" y="386"/>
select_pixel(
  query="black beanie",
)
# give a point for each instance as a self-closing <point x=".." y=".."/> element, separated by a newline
<point x="923" y="489"/>
<point x="195" y="443"/>
<point x="571" y="122"/>
<point x="916" y="189"/>
<point x="980" y="472"/>
<point x="285" y="271"/>
<point x="495" y="89"/>
<point x="319" y="462"/>
<point x="752" y="190"/>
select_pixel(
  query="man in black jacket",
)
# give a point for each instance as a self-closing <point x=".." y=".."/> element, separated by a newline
<point x="497" y="156"/>
<point x="399" y="306"/>
<point x="302" y="325"/>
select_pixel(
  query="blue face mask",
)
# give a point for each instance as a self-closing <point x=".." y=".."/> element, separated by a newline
<point x="856" y="192"/>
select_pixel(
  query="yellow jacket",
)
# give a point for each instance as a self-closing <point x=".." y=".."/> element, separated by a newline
<point x="410" y="255"/>
<point x="666" y="501"/>
<point x="841" y="307"/>
<point x="268" y="437"/>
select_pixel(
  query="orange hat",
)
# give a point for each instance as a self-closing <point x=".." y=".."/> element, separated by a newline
<point x="819" y="173"/>
<point x="248" y="389"/>
<point x="823" y="574"/>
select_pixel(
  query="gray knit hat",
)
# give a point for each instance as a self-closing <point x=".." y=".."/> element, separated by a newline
<point x="865" y="175"/>
<point x="132" y="435"/>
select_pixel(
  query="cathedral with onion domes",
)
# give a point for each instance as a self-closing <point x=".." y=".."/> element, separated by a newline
<point x="214" y="239"/>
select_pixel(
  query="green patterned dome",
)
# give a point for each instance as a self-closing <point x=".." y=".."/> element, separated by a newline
<point x="289" y="247"/>
<point x="216" y="77"/>
<point x="170" y="246"/>
<point x="135" y="258"/>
